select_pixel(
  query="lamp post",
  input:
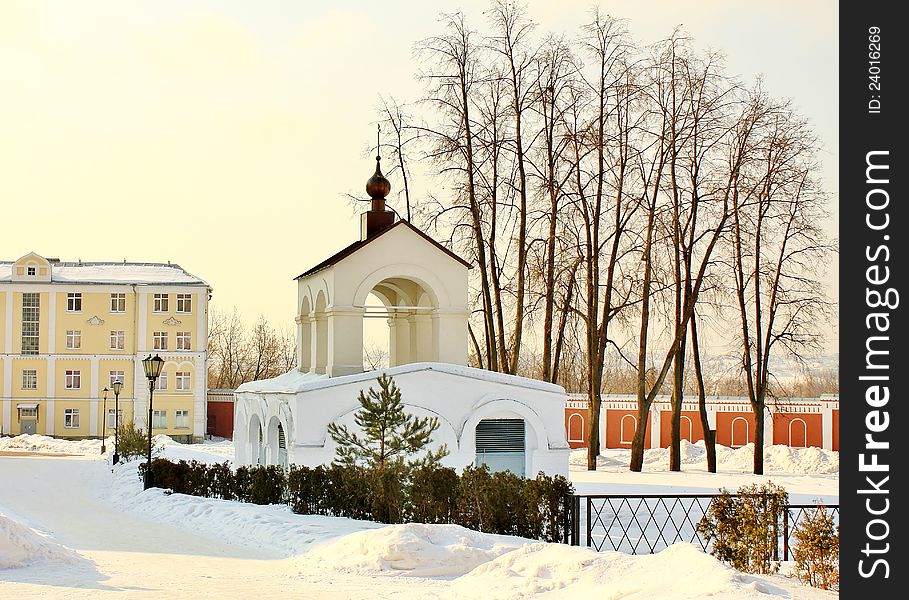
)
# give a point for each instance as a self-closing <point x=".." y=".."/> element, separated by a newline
<point x="104" y="419"/>
<point x="152" y="368"/>
<point x="117" y="386"/>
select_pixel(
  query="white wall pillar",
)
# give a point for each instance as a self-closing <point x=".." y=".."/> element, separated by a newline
<point x="8" y="328"/>
<point x="7" y="391"/>
<point x="93" y="397"/>
<point x="768" y="427"/>
<point x="319" y="343"/>
<point x="826" y="426"/>
<point x="200" y="398"/>
<point x="345" y="341"/>
<point x="448" y="332"/>
<point x="655" y="425"/>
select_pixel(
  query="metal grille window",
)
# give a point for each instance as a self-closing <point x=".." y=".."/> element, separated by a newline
<point x="29" y="379"/>
<point x="160" y="340"/>
<point x="73" y="380"/>
<point x="31" y="315"/>
<point x="73" y="339"/>
<point x="159" y="419"/>
<point x="71" y="418"/>
<point x="181" y="419"/>
<point x="182" y="381"/>
<point x="160" y="303"/>
<point x="184" y="303"/>
<point x="74" y="302"/>
<point x="500" y="445"/>
<point x="118" y="303"/>
<point x="117" y="340"/>
<point x="184" y="340"/>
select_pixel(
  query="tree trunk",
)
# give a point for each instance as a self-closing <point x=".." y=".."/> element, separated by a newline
<point x="709" y="437"/>
<point x="759" y="438"/>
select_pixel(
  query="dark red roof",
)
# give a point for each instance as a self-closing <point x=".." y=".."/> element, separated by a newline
<point x="339" y="256"/>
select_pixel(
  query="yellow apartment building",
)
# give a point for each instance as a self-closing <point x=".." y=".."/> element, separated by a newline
<point x="70" y="329"/>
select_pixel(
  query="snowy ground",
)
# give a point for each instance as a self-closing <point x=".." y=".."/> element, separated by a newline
<point x="71" y="528"/>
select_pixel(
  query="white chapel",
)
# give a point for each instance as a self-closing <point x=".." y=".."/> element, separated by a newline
<point x="503" y="421"/>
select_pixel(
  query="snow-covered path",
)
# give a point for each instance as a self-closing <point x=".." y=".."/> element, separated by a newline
<point x="137" y="558"/>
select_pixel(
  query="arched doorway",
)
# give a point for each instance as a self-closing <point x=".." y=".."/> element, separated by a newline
<point x="282" y="447"/>
<point x="626" y="431"/>
<point x="256" y="448"/>
<point x="406" y="306"/>
<point x="501" y="445"/>
<point x="739" y="432"/>
<point x="685" y="428"/>
<point x="798" y="433"/>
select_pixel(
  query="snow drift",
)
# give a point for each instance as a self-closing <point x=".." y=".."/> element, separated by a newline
<point x="680" y="572"/>
<point x="21" y="546"/>
<point x="413" y="549"/>
<point x="778" y="459"/>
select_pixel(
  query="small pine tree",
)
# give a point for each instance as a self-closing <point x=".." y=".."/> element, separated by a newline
<point x="390" y="435"/>
<point x="817" y="549"/>
<point x="132" y="442"/>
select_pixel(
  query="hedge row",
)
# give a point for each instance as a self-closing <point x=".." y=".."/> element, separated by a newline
<point x="498" y="502"/>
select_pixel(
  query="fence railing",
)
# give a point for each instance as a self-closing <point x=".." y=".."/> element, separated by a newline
<point x="648" y="523"/>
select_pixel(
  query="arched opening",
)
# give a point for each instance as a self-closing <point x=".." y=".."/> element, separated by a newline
<point x="501" y="445"/>
<point x="320" y="325"/>
<point x="685" y="428"/>
<point x="282" y="447"/>
<point x="304" y="337"/>
<point x="255" y="440"/>
<point x="626" y="431"/>
<point x="798" y="433"/>
<point x="376" y="334"/>
<point x="405" y="308"/>
<point x="576" y="428"/>
<point x="739" y="432"/>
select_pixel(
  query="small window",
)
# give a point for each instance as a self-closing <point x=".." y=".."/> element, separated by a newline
<point x="182" y="381"/>
<point x="115" y="376"/>
<point x="160" y="340"/>
<point x="111" y="422"/>
<point x="118" y="303"/>
<point x="161" y="382"/>
<point x="160" y="303"/>
<point x="181" y="419"/>
<point x="74" y="302"/>
<point x="184" y="340"/>
<point x="184" y="303"/>
<point x="28" y="413"/>
<point x="71" y="418"/>
<point x="159" y="419"/>
<point x="73" y="339"/>
<point x="73" y="380"/>
<point x="31" y="271"/>
<point x="117" y="340"/>
<point x="29" y="379"/>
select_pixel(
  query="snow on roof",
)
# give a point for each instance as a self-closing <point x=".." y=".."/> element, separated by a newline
<point x="294" y="381"/>
<point x="111" y="272"/>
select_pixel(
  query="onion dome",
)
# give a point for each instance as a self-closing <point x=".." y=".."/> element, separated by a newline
<point x="378" y="186"/>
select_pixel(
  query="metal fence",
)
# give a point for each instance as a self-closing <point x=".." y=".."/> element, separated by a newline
<point x="648" y="523"/>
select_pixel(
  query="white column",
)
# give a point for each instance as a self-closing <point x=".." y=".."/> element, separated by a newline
<point x="142" y="325"/>
<point x="51" y="393"/>
<point x="7" y="392"/>
<point x="826" y="426"/>
<point x="52" y="323"/>
<point x="304" y="343"/>
<point x="93" y="397"/>
<point x="319" y="348"/>
<point x="8" y="329"/>
<point x="345" y="341"/>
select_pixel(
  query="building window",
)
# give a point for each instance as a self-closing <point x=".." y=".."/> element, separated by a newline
<point x="28" y="413"/>
<point x="74" y="302"/>
<point x="73" y="380"/>
<point x="115" y="376"/>
<point x="159" y="419"/>
<point x="184" y="303"/>
<point x="29" y="379"/>
<point x="73" y="339"/>
<point x="160" y="339"/>
<point x="111" y="423"/>
<point x="71" y="418"/>
<point x="160" y="303"/>
<point x="181" y="419"/>
<point x="117" y="340"/>
<point x="161" y="382"/>
<point x="183" y="382"/>
<point x="31" y="271"/>
<point x="118" y="303"/>
<point x="184" y="340"/>
<point x="31" y="315"/>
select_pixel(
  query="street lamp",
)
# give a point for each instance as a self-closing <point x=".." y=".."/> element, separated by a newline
<point x="152" y="368"/>
<point x="118" y="386"/>
<point x="104" y="419"/>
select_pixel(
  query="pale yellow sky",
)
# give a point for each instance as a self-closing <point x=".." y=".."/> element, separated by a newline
<point x="223" y="135"/>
